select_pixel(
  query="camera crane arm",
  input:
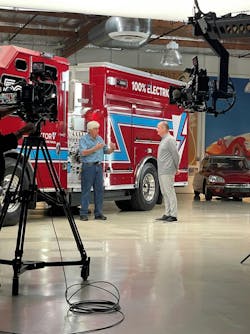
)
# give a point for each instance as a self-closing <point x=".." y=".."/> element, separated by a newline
<point x="212" y="28"/>
<point x="197" y="94"/>
<point x="203" y="27"/>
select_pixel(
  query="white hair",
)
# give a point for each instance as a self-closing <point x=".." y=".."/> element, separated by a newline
<point x="93" y="125"/>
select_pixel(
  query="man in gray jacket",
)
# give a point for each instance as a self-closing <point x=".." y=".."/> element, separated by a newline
<point x="168" y="162"/>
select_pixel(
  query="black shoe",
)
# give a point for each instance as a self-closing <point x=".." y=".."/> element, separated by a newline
<point x="164" y="217"/>
<point x="171" y="219"/>
<point x="101" y="217"/>
<point x="84" y="218"/>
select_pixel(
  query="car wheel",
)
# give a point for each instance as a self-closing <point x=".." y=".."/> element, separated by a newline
<point x="208" y="194"/>
<point x="196" y="196"/>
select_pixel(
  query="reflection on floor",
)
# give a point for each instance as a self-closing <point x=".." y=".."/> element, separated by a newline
<point x="179" y="278"/>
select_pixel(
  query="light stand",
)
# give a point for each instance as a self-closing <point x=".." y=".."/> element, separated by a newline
<point x="25" y="196"/>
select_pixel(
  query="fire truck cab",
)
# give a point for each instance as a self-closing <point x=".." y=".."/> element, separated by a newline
<point x="127" y="103"/>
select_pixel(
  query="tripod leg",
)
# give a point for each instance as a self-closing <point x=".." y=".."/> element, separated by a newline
<point x="17" y="262"/>
<point x="245" y="258"/>
<point x="15" y="285"/>
<point x="25" y="196"/>
<point x="63" y="201"/>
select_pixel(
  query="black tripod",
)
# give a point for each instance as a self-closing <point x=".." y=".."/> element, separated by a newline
<point x="28" y="195"/>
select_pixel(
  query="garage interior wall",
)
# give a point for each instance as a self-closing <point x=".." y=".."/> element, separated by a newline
<point x="238" y="67"/>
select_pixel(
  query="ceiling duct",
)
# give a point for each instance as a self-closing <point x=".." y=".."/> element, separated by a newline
<point x="121" y="32"/>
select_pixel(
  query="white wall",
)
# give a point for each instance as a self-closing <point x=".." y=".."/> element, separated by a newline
<point x="238" y="67"/>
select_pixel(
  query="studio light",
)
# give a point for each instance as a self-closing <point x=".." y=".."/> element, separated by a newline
<point x="171" y="55"/>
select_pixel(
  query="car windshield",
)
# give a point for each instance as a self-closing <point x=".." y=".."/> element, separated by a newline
<point x="228" y="164"/>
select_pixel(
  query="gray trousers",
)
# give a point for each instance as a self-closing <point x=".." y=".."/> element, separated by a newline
<point x="169" y="195"/>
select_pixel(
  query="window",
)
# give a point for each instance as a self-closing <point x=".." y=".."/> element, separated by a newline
<point x="21" y="65"/>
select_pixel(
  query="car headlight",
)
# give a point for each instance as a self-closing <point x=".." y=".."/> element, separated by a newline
<point x="215" y="179"/>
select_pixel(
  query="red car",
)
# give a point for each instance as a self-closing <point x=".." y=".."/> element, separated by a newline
<point x="223" y="176"/>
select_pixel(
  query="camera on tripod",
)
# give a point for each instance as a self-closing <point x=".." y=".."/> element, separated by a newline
<point x="34" y="101"/>
<point x="194" y="95"/>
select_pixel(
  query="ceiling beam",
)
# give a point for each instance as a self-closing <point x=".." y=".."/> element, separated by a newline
<point x="74" y="45"/>
<point x="38" y="20"/>
<point x="53" y="14"/>
<point x="37" y="31"/>
<point x="203" y="44"/>
<point x="165" y="28"/>
<point x="160" y="27"/>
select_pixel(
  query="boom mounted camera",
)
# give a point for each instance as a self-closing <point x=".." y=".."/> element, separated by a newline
<point x="200" y="94"/>
<point x="35" y="101"/>
<point x="195" y="94"/>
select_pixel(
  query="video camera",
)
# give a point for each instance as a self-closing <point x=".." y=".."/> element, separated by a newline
<point x="35" y="101"/>
<point x="201" y="95"/>
<point x="194" y="95"/>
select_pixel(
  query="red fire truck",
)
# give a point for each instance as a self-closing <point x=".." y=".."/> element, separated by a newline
<point x="127" y="103"/>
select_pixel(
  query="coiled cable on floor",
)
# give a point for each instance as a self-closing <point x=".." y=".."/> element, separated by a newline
<point x="95" y="306"/>
<point x="92" y="306"/>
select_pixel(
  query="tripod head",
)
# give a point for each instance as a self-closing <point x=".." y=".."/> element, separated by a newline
<point x="38" y="124"/>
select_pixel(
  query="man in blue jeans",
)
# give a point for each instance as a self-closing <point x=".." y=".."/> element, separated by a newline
<point x="92" y="149"/>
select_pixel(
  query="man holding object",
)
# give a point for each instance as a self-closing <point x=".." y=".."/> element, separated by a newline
<point x="92" y="149"/>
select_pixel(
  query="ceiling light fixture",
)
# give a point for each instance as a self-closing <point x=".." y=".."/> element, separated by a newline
<point x="171" y="55"/>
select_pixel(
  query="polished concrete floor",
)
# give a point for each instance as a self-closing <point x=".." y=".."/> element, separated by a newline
<point x="179" y="278"/>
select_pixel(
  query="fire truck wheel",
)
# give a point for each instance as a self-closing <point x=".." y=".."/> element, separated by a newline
<point x="124" y="205"/>
<point x="146" y="195"/>
<point x="160" y="198"/>
<point x="13" y="212"/>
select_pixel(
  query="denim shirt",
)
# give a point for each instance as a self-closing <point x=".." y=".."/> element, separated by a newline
<point x="86" y="142"/>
